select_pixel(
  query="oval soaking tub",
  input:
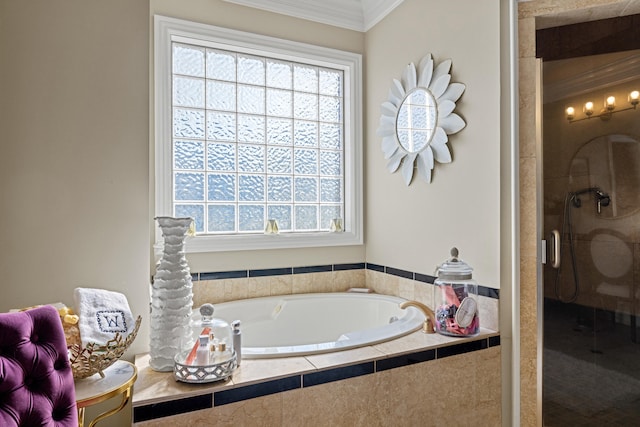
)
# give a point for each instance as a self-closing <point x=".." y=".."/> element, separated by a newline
<point x="301" y="324"/>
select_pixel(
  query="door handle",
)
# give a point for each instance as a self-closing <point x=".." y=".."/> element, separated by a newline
<point x="555" y="249"/>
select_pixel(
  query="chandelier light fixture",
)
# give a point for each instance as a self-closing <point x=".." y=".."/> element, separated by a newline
<point x="609" y="108"/>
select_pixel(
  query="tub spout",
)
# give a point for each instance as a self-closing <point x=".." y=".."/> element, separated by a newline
<point x="428" y="326"/>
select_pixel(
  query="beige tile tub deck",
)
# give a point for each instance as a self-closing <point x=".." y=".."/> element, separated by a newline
<point x="155" y="387"/>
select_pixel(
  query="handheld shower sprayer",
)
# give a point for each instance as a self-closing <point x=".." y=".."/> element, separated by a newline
<point x="572" y="198"/>
<point x="602" y="199"/>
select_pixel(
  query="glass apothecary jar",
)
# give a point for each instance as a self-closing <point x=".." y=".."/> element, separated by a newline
<point x="207" y="354"/>
<point x="456" y="298"/>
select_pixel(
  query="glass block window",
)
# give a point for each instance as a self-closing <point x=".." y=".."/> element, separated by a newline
<point x="250" y="128"/>
<point x="255" y="138"/>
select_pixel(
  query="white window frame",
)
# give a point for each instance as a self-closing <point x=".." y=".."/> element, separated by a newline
<point x="168" y="30"/>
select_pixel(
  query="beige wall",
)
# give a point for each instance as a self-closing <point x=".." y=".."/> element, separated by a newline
<point x="74" y="165"/>
<point x="414" y="227"/>
<point x="74" y="176"/>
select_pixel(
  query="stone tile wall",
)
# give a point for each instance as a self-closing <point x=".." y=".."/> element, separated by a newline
<point x="380" y="279"/>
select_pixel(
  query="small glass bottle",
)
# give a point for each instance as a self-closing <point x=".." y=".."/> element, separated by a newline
<point x="202" y="353"/>
<point x="456" y="299"/>
<point x="237" y="339"/>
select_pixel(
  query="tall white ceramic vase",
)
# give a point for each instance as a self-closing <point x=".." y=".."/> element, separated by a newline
<point x="171" y="296"/>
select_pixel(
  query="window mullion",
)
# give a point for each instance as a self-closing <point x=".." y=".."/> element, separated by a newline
<point x="237" y="157"/>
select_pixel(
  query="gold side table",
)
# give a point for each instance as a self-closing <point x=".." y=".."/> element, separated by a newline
<point x="118" y="380"/>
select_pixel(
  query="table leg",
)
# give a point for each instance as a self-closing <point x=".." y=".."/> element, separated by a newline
<point x="126" y="395"/>
<point x="80" y="417"/>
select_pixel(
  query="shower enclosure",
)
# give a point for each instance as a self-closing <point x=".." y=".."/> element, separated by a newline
<point x="591" y="173"/>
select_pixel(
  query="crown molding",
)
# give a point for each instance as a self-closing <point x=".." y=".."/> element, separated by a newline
<point x="375" y="10"/>
<point x="358" y="15"/>
<point x="621" y="71"/>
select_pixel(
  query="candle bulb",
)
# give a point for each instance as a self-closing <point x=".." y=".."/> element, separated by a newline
<point x="588" y="108"/>
<point x="610" y="103"/>
<point x="570" y="113"/>
<point x="634" y="96"/>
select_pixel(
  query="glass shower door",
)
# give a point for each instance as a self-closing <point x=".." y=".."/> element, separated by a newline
<point x="591" y="163"/>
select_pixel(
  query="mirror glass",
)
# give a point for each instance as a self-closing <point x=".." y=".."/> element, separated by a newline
<point x="611" y="163"/>
<point x="416" y="121"/>
<point x="418" y="117"/>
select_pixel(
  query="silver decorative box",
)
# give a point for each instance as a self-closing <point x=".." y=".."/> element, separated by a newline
<point x="203" y="373"/>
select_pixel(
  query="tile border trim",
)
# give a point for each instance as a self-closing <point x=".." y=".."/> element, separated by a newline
<point x="172" y="407"/>
<point x="294" y="382"/>
<point x="251" y="391"/>
<point x="484" y="291"/>
<point x="337" y="374"/>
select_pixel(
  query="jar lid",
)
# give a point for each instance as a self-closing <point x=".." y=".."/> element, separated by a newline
<point x="454" y="268"/>
<point x="206" y="317"/>
<point x="206" y="311"/>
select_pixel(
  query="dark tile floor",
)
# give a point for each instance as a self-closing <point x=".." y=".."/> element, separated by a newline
<point x="591" y="368"/>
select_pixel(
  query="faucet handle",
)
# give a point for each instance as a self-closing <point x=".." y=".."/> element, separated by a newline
<point x="428" y="327"/>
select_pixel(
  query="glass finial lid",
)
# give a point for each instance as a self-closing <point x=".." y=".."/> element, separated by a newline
<point x="454" y="268"/>
<point x="206" y="311"/>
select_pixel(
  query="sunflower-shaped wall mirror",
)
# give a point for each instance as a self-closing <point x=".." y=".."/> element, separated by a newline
<point x="418" y="117"/>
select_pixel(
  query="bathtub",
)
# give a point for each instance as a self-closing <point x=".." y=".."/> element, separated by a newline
<point x="303" y="324"/>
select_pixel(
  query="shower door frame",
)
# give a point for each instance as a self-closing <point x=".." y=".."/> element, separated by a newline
<point x="540" y="239"/>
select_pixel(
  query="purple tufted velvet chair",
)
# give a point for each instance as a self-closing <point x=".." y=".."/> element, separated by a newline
<point x="36" y="381"/>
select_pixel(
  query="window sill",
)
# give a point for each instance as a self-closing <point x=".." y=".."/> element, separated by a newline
<point x="267" y="241"/>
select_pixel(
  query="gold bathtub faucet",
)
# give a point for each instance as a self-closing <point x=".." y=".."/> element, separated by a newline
<point x="430" y="321"/>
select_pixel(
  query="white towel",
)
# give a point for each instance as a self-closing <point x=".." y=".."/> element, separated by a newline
<point x="102" y="314"/>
